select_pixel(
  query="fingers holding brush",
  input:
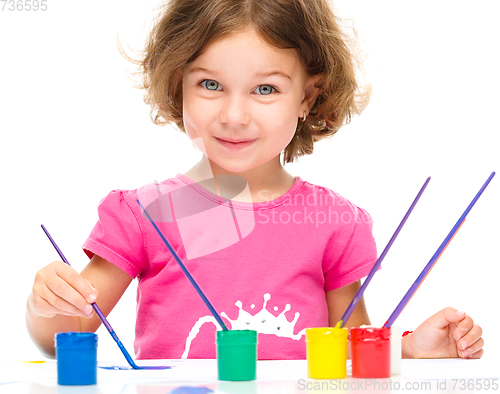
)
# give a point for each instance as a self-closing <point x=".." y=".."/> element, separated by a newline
<point x="59" y="289"/>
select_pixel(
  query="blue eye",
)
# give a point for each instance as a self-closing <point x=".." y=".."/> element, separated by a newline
<point x="210" y="84"/>
<point x="265" y="89"/>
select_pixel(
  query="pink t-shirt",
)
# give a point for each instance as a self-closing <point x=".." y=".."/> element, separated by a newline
<point x="263" y="266"/>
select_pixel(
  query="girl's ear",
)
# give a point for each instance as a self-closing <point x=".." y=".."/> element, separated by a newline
<point x="311" y="92"/>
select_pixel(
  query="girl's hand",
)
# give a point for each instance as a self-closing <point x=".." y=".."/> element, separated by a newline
<point x="447" y="334"/>
<point x="60" y="290"/>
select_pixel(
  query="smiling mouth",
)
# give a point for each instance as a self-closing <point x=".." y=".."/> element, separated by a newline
<point x="235" y="144"/>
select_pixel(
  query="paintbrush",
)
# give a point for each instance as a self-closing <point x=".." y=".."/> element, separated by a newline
<point x="186" y="272"/>
<point x="102" y="317"/>
<point x="435" y="257"/>
<point x="361" y="290"/>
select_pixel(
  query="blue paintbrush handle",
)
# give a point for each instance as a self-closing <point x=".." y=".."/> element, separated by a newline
<point x="186" y="272"/>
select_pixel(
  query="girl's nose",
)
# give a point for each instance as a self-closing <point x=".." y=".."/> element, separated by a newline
<point x="235" y="111"/>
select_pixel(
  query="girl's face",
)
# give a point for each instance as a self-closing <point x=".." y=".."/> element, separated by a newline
<point x="243" y="98"/>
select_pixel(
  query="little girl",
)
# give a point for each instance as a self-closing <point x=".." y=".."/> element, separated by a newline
<point x="247" y="81"/>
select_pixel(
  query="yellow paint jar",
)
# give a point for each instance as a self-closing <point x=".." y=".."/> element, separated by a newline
<point x="326" y="350"/>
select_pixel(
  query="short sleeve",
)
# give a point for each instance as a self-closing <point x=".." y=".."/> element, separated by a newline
<point x="117" y="237"/>
<point x="351" y="251"/>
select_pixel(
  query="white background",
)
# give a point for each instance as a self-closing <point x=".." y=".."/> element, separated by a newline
<point x="73" y="128"/>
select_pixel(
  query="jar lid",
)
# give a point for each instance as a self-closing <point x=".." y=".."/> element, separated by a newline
<point x="370" y="333"/>
<point x="236" y="336"/>
<point x="326" y="333"/>
<point x="75" y="339"/>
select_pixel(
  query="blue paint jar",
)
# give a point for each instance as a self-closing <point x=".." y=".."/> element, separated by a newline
<point x="76" y="354"/>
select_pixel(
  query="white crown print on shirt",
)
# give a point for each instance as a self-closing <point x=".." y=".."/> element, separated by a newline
<point x="264" y="322"/>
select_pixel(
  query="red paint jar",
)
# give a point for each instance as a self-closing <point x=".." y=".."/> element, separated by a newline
<point x="370" y="352"/>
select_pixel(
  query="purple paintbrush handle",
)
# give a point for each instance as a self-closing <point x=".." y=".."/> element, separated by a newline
<point x="361" y="290"/>
<point x="102" y="317"/>
<point x="59" y="252"/>
<point x="94" y="305"/>
<point x="186" y="271"/>
<point x="435" y="257"/>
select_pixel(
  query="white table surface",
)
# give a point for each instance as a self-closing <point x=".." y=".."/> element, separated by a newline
<point x="276" y="377"/>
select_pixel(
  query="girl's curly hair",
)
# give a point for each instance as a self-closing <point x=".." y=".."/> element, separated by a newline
<point x="185" y="27"/>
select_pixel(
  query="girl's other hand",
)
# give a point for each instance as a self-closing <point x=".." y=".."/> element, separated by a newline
<point x="60" y="290"/>
<point x="447" y="334"/>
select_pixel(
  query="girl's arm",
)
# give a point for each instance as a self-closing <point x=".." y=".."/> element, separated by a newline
<point x="60" y="297"/>
<point x="339" y="299"/>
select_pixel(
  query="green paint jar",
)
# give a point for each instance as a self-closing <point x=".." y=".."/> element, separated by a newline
<point x="237" y="354"/>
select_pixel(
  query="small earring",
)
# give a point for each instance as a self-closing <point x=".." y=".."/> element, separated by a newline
<point x="304" y="117"/>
